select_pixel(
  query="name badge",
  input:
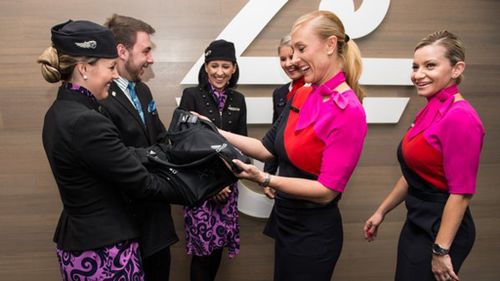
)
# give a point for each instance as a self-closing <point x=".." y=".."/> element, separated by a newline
<point x="233" y="108"/>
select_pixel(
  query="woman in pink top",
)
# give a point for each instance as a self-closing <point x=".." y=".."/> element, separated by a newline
<point x="439" y="158"/>
<point x="317" y="141"/>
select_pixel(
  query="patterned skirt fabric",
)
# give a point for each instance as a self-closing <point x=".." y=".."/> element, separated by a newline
<point x="121" y="261"/>
<point x="213" y="226"/>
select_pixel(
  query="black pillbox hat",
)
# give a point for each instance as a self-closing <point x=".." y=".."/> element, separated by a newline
<point x="84" y="38"/>
<point x="220" y="50"/>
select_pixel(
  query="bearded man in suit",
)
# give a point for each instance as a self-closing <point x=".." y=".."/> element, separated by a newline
<point x="131" y="107"/>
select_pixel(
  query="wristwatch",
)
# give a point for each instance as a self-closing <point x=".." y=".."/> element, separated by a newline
<point x="438" y="251"/>
<point x="266" y="181"/>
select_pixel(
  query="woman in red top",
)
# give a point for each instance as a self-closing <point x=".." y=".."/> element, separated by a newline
<point x="317" y="141"/>
<point x="439" y="158"/>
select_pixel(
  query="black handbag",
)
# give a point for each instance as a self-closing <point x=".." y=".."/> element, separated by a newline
<point x="191" y="183"/>
<point x="194" y="157"/>
<point x="192" y="138"/>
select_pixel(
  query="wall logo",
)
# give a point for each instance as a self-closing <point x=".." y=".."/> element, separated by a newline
<point x="254" y="16"/>
<point x="252" y="19"/>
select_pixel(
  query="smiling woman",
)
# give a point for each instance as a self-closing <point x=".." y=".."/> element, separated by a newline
<point x="317" y="141"/>
<point x="96" y="234"/>
<point x="439" y="158"/>
<point x="215" y="225"/>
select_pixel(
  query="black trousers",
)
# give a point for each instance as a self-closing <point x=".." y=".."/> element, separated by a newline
<point x="157" y="265"/>
<point x="204" y="268"/>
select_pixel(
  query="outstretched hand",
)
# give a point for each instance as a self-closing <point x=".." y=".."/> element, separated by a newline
<point x="371" y="226"/>
<point x="249" y="172"/>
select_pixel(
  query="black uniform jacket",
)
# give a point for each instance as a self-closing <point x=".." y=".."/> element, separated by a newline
<point x="155" y="219"/>
<point x="279" y="102"/>
<point x="93" y="168"/>
<point x="234" y="115"/>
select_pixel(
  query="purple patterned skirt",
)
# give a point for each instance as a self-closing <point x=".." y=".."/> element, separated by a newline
<point x="121" y="261"/>
<point x="213" y="226"/>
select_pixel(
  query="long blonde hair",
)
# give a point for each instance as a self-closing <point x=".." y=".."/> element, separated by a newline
<point x="326" y="24"/>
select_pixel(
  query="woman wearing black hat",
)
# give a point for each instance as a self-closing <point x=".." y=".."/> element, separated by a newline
<point x="96" y="231"/>
<point x="214" y="225"/>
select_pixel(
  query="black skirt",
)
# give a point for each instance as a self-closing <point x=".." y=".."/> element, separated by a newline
<point x="308" y="239"/>
<point x="419" y="233"/>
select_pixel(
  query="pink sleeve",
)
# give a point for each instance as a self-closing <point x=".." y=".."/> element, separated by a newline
<point x="461" y="137"/>
<point x="343" y="146"/>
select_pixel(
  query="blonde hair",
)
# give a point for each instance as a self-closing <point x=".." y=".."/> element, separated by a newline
<point x="285" y="41"/>
<point x="327" y="24"/>
<point x="455" y="51"/>
<point x="57" y="66"/>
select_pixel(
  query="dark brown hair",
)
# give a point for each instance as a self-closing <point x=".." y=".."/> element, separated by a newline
<point x="125" y="29"/>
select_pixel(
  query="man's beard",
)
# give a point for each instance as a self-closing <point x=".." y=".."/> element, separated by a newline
<point x="134" y="73"/>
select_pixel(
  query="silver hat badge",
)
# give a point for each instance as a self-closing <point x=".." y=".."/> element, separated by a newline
<point x="87" y="44"/>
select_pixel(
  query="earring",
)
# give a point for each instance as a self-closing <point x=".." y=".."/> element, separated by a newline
<point x="329" y="53"/>
<point x="85" y="77"/>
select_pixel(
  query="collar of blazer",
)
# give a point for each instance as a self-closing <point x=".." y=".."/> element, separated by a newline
<point x="117" y="94"/>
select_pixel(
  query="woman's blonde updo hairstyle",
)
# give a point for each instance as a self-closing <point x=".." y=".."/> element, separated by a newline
<point x="327" y="24"/>
<point x="57" y="66"/>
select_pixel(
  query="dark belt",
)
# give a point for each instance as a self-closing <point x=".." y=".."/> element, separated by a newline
<point x="303" y="204"/>
<point x="428" y="196"/>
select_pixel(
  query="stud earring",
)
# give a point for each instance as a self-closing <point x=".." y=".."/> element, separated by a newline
<point x="85" y="77"/>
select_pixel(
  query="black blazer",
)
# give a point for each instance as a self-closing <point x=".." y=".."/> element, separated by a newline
<point x="234" y="114"/>
<point x="279" y="102"/>
<point x="155" y="219"/>
<point x="92" y="168"/>
<point x="127" y="119"/>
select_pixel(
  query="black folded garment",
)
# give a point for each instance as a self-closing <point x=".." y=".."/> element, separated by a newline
<point x="192" y="138"/>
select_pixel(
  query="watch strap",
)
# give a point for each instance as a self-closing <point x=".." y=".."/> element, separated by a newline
<point x="439" y="251"/>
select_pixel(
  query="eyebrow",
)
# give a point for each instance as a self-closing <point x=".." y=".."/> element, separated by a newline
<point x="427" y="61"/>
